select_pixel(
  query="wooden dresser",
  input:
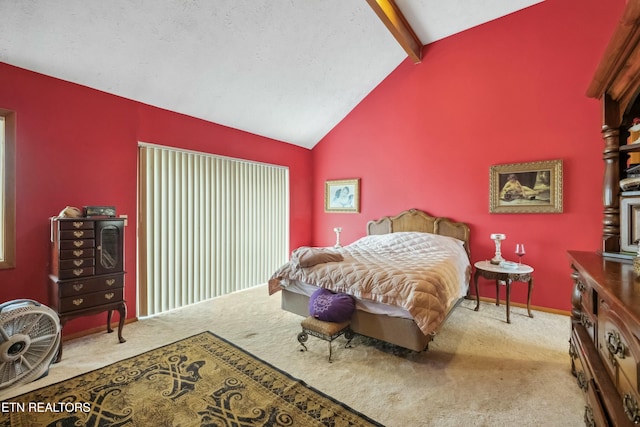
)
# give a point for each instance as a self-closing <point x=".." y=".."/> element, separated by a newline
<point x="87" y="269"/>
<point x="605" y="338"/>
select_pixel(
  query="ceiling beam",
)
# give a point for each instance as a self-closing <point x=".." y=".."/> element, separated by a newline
<point x="392" y="17"/>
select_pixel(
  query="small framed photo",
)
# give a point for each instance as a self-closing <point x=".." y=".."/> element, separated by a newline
<point x="533" y="187"/>
<point x="342" y="195"/>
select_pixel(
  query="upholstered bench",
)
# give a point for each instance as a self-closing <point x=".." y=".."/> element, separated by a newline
<point x="327" y="331"/>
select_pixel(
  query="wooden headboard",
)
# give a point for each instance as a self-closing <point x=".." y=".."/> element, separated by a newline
<point x="417" y="220"/>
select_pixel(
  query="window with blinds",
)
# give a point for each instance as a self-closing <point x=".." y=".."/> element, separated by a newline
<point x="209" y="225"/>
<point x="2" y="181"/>
<point x="7" y="189"/>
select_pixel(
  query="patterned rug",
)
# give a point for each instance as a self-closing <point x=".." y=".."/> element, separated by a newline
<point x="203" y="380"/>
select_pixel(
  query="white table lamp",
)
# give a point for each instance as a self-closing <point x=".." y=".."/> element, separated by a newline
<point x="337" y="230"/>
<point x="497" y="238"/>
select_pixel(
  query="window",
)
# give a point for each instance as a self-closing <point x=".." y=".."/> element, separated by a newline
<point x="7" y="189"/>
<point x="209" y="225"/>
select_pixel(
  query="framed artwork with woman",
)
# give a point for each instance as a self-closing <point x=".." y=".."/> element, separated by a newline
<point x="533" y="187"/>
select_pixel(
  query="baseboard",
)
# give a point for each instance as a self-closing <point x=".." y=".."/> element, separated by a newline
<point x="96" y="330"/>
<point x="533" y="307"/>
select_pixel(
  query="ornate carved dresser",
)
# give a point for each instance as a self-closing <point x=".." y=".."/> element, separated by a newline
<point x="604" y="344"/>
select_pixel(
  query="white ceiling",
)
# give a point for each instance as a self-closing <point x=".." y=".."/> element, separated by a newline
<point x="285" y="69"/>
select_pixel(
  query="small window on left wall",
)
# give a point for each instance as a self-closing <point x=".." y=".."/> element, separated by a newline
<point x="7" y="188"/>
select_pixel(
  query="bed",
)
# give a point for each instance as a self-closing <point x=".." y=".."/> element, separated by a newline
<point x="406" y="276"/>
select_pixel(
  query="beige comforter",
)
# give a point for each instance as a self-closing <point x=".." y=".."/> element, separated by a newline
<point x="423" y="273"/>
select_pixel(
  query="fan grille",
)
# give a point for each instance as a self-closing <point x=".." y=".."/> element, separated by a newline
<point x="29" y="339"/>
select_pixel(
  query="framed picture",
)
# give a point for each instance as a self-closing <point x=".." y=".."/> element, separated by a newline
<point x="342" y="195"/>
<point x="534" y="187"/>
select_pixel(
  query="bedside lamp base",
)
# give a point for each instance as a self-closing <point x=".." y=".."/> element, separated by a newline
<point x="497" y="238"/>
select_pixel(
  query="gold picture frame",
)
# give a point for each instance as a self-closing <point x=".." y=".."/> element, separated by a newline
<point x="533" y="187"/>
<point x="342" y="195"/>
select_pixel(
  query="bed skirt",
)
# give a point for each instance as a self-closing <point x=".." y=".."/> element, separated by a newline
<point x="395" y="330"/>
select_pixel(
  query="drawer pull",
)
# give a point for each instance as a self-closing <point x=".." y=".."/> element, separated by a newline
<point x="581" y="379"/>
<point x="589" y="421"/>
<point x="78" y="234"/>
<point x="572" y="351"/>
<point x="109" y="296"/>
<point x="78" y="243"/>
<point x="581" y="287"/>
<point x="78" y="287"/>
<point x="78" y="252"/>
<point x="78" y="224"/>
<point x="615" y="345"/>
<point x="586" y="322"/>
<point x="78" y="301"/>
<point x="78" y="271"/>
<point x="110" y="282"/>
<point x="631" y="408"/>
<point x="78" y="262"/>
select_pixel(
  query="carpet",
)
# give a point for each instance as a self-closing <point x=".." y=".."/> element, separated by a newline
<point x="202" y="380"/>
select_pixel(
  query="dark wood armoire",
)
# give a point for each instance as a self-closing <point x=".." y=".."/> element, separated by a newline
<point x="605" y="319"/>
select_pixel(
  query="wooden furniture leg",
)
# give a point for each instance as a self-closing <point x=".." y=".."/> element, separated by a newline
<point x="508" y="285"/>
<point x="109" y="328"/>
<point x="529" y="296"/>
<point x="475" y="281"/>
<point x="122" y="309"/>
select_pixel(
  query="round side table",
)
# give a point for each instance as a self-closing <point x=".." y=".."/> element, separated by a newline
<point x="507" y="275"/>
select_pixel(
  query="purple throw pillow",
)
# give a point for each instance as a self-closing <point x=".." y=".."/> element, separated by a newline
<point x="330" y="307"/>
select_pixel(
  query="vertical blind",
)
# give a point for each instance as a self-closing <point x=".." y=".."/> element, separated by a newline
<point x="209" y="225"/>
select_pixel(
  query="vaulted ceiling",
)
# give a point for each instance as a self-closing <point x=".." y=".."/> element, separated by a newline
<point x="285" y="69"/>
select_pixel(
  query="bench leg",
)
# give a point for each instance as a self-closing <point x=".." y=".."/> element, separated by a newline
<point x="348" y="334"/>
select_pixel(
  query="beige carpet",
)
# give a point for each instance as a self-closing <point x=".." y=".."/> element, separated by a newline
<point x="479" y="371"/>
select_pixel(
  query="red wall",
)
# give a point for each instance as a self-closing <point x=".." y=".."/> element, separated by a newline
<point x="78" y="146"/>
<point x="509" y="91"/>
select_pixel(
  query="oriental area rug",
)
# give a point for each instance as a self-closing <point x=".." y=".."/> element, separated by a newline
<point x="203" y="380"/>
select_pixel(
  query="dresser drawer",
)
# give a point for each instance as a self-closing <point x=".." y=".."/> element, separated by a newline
<point x="618" y="348"/>
<point x="76" y="272"/>
<point x="588" y="320"/>
<point x="586" y="292"/>
<point x="75" y="224"/>
<point x="89" y="285"/>
<point x="69" y="264"/>
<point x="78" y="253"/>
<point x="77" y="234"/>
<point x="630" y="401"/>
<point x="94" y="299"/>
<point x="77" y="244"/>
<point x="579" y="367"/>
<point x="594" y="413"/>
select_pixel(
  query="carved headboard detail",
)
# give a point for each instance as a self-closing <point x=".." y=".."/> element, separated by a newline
<point x="417" y="220"/>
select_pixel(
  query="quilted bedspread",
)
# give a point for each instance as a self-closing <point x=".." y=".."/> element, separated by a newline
<point x="423" y="273"/>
